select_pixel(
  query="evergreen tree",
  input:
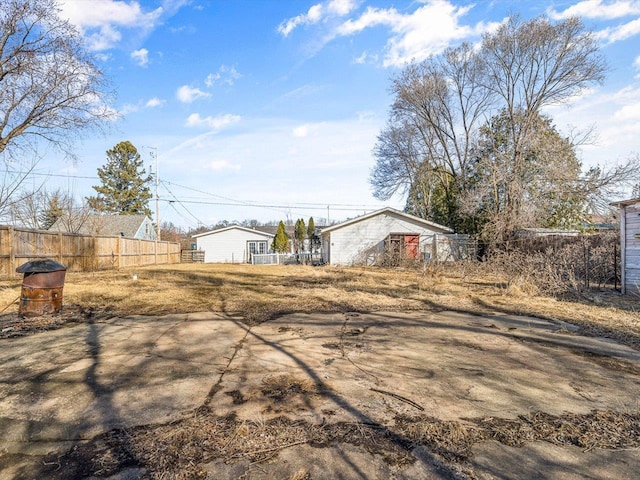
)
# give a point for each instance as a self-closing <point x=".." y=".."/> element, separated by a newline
<point x="300" y="232"/>
<point x="281" y="240"/>
<point x="314" y="240"/>
<point x="311" y="228"/>
<point x="125" y="183"/>
<point x="53" y="210"/>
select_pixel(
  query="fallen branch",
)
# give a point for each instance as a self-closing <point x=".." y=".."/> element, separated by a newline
<point x="399" y="397"/>
<point x="270" y="450"/>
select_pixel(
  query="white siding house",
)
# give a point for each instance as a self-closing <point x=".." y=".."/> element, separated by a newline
<point x="630" y="245"/>
<point x="233" y="244"/>
<point x="362" y="240"/>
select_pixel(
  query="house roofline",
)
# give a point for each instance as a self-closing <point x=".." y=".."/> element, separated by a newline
<point x="625" y="203"/>
<point x="220" y="230"/>
<point x="387" y="210"/>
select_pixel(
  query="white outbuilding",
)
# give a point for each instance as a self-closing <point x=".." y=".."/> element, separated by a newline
<point x="233" y="244"/>
<point x="630" y="245"/>
<point x="367" y="239"/>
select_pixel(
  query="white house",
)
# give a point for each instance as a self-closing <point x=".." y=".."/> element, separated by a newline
<point x="630" y="245"/>
<point x="233" y="244"/>
<point x="364" y="239"/>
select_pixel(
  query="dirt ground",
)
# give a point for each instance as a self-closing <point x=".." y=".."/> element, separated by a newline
<point x="413" y="395"/>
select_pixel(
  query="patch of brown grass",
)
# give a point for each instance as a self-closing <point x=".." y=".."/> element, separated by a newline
<point x="182" y="449"/>
<point x="260" y="293"/>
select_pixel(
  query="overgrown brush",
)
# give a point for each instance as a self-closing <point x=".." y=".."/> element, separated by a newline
<point x="558" y="265"/>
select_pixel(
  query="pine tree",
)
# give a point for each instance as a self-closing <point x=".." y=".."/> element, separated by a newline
<point x="53" y="210"/>
<point x="300" y="233"/>
<point x="281" y="240"/>
<point x="125" y="183"/>
<point x="311" y="228"/>
<point x="314" y="240"/>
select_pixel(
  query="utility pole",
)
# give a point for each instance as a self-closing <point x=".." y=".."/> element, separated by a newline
<point x="153" y="153"/>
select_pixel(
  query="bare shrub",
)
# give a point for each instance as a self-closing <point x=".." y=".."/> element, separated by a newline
<point x="558" y="265"/>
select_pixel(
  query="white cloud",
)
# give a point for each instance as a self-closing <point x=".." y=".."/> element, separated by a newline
<point x="103" y="57"/>
<point x="614" y="116"/>
<point x="101" y="21"/>
<point x="317" y="13"/>
<point x="213" y="123"/>
<point x="219" y="165"/>
<point x="628" y="113"/>
<point x="133" y="108"/>
<point x="415" y="35"/>
<point x="225" y="74"/>
<point x="312" y="16"/>
<point x="187" y="94"/>
<point x="621" y="32"/>
<point x="141" y="57"/>
<point x="129" y="108"/>
<point x="342" y="7"/>
<point x="598" y="9"/>
<point x="154" y="102"/>
<point x="103" y="39"/>
<point x="426" y="31"/>
<point x="301" y="131"/>
<point x="366" y="57"/>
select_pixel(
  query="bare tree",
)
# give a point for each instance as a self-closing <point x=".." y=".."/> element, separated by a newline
<point x="429" y="148"/>
<point x="50" y="87"/>
<point x="71" y="216"/>
<point x="604" y="184"/>
<point x="426" y="146"/>
<point x="14" y="190"/>
<point x="26" y="212"/>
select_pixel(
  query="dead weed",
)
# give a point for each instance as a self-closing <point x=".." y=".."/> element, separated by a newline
<point x="182" y="449"/>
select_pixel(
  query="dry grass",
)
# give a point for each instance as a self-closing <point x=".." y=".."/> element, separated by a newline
<point x="260" y="293"/>
<point x="180" y="450"/>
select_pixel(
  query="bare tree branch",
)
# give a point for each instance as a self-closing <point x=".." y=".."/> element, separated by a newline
<point x="50" y="87"/>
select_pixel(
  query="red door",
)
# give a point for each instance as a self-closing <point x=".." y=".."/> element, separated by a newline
<point x="412" y="246"/>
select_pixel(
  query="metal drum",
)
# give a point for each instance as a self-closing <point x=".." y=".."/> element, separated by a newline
<point x="41" y="287"/>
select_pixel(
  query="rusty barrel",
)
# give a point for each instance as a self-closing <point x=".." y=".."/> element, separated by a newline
<point x="41" y="287"/>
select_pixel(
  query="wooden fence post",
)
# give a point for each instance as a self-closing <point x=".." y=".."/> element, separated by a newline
<point x="12" y="255"/>
<point x="119" y="250"/>
<point x="60" y="247"/>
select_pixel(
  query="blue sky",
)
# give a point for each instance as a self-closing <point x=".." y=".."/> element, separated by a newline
<point x="263" y="109"/>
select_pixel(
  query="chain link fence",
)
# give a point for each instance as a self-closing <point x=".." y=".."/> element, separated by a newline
<point x="560" y="264"/>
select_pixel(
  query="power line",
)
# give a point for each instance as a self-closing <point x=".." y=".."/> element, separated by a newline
<point x="230" y="202"/>
<point x="252" y="203"/>
<point x="36" y="174"/>
<point x="324" y="206"/>
<point x="179" y="202"/>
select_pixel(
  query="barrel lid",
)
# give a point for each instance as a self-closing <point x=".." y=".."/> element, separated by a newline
<point x="40" y="266"/>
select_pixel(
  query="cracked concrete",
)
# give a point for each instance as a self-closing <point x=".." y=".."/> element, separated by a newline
<point x="64" y="386"/>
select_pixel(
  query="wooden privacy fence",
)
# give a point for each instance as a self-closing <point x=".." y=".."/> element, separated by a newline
<point x="80" y="252"/>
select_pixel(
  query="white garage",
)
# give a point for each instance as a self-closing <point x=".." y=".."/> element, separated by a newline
<point x="233" y="244"/>
<point x="364" y="239"/>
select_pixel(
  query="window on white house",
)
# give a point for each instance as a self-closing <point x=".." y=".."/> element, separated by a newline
<point x="258" y="247"/>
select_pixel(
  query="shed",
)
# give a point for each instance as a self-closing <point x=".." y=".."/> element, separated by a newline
<point x="364" y="239"/>
<point x="234" y="244"/>
<point x="630" y="244"/>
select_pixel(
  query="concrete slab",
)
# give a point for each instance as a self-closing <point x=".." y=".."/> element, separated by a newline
<point x="61" y="387"/>
<point x="77" y="382"/>
<point x="450" y="366"/>
<point x="541" y="460"/>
